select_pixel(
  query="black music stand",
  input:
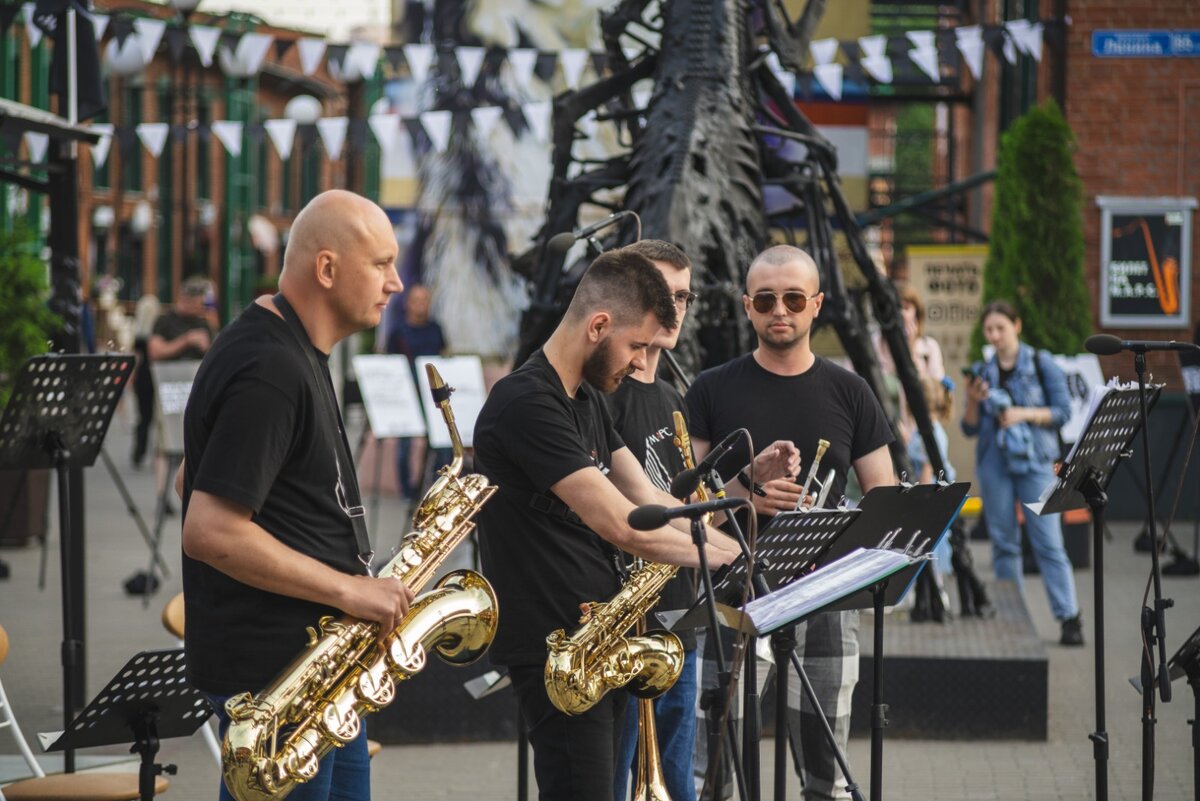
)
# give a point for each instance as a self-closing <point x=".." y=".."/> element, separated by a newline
<point x="1186" y="662"/>
<point x="823" y="590"/>
<point x="786" y="549"/>
<point x="57" y="417"/>
<point x="916" y="517"/>
<point x="148" y="700"/>
<point x="1107" y="435"/>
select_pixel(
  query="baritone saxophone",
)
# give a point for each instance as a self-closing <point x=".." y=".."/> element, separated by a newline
<point x="276" y="738"/>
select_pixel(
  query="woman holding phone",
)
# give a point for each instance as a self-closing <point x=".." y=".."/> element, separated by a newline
<point x="1015" y="403"/>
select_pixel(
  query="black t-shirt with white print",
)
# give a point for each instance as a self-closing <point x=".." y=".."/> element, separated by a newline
<point x="643" y="415"/>
<point x="541" y="562"/>
<point x="255" y="433"/>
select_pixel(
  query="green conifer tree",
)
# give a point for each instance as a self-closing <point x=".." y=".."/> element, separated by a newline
<point x="1035" y="257"/>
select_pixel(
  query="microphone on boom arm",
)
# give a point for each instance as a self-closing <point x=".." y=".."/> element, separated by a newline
<point x="561" y="243"/>
<point x="686" y="482"/>
<point x="1107" y="345"/>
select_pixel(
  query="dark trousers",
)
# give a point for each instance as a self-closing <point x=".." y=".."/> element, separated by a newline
<point x="572" y="754"/>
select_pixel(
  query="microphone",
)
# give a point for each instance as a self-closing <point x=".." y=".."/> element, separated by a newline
<point x="652" y="516"/>
<point x="561" y="243"/>
<point x="686" y="482"/>
<point x="1107" y="345"/>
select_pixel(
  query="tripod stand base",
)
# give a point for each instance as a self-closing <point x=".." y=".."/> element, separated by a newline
<point x="1182" y="565"/>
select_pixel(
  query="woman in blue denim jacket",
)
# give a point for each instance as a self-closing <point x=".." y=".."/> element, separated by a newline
<point x="1015" y="409"/>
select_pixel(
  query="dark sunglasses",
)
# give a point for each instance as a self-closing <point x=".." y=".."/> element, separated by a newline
<point x="764" y="302"/>
<point x="685" y="297"/>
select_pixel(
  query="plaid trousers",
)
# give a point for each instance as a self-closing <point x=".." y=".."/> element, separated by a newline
<point x="827" y="645"/>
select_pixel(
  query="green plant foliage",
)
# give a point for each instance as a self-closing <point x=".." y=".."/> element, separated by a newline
<point x="25" y="322"/>
<point x="1035" y="257"/>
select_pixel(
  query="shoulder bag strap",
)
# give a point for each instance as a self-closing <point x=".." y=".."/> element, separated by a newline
<point x="347" y="486"/>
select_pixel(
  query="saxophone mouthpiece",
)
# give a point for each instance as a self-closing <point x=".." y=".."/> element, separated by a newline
<point x="437" y="386"/>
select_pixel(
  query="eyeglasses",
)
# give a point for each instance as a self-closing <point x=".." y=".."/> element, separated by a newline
<point x="685" y="298"/>
<point x="764" y="302"/>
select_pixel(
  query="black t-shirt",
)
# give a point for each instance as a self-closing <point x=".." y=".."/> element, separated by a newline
<point x="173" y="325"/>
<point x="529" y="436"/>
<point x="825" y="402"/>
<point x="643" y="416"/>
<point x="256" y="434"/>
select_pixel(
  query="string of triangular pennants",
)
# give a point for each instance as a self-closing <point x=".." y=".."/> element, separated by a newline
<point x="873" y="57"/>
<point x="389" y="130"/>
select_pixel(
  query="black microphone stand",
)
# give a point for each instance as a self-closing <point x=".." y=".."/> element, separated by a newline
<point x="714" y="697"/>
<point x="1153" y="619"/>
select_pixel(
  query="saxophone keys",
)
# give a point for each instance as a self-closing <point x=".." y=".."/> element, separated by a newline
<point x="404" y="661"/>
<point x="376" y="687"/>
<point x="342" y="727"/>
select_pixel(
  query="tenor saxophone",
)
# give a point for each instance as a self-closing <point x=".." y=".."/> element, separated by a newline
<point x="276" y="738"/>
<point x="602" y="655"/>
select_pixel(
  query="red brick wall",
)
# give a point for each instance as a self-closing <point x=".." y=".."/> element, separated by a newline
<point x="1137" y="121"/>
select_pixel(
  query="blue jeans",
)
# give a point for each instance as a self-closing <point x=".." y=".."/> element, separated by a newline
<point x="1000" y="491"/>
<point x="344" y="775"/>
<point x="675" y="719"/>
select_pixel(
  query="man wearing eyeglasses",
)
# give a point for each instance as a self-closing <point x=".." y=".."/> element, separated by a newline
<point x="783" y="391"/>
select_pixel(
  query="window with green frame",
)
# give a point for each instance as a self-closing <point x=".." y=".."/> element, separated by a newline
<point x="131" y="167"/>
<point x="263" y="194"/>
<point x="203" y="145"/>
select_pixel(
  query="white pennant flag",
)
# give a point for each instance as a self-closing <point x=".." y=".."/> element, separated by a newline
<point x="470" y="61"/>
<point x="37" y="144"/>
<point x="100" y="149"/>
<point x="311" y="51"/>
<point x="642" y="97"/>
<point x="824" y="51"/>
<point x="31" y="29"/>
<point x="924" y="54"/>
<point x="878" y="67"/>
<point x="437" y="128"/>
<point x="419" y="57"/>
<point x="1026" y="36"/>
<point x="573" y="62"/>
<point x="1009" y="50"/>
<point x="522" y="61"/>
<point x="386" y="128"/>
<point x="99" y="25"/>
<point x="362" y="59"/>
<point x="153" y="136"/>
<point x="631" y="53"/>
<point x="333" y="135"/>
<point x="283" y="136"/>
<point x="873" y="46"/>
<point x="485" y="119"/>
<point x="970" y="44"/>
<point x="829" y="76"/>
<point x="538" y="115"/>
<point x="150" y="32"/>
<point x="229" y="134"/>
<point x="252" y="49"/>
<point x="204" y="38"/>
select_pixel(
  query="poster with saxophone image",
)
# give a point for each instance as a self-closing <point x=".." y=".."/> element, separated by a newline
<point x="1145" y="262"/>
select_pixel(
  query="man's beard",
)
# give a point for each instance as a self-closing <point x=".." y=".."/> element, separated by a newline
<point x="598" y="371"/>
<point x="780" y="342"/>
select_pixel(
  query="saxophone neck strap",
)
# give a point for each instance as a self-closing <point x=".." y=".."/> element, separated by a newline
<point x="349" y="497"/>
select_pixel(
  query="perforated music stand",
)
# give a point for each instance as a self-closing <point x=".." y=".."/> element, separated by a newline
<point x="57" y="417"/>
<point x="148" y="700"/>
<point x="916" y="518"/>
<point x="823" y="590"/>
<point x="787" y="548"/>
<point x="1186" y="662"/>
<point x="1083" y="480"/>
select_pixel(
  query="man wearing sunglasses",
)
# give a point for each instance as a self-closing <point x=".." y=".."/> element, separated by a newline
<point x="783" y="391"/>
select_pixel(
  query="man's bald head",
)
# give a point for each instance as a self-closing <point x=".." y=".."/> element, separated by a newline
<point x="332" y="221"/>
<point x="784" y="256"/>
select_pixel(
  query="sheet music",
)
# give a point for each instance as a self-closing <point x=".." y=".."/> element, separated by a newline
<point x="855" y="571"/>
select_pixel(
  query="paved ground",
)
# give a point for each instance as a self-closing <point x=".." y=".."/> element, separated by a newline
<point x="1060" y="768"/>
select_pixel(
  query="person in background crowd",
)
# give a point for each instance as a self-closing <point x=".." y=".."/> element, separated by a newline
<point x="146" y="314"/>
<point x="416" y="334"/>
<point x="1015" y="403"/>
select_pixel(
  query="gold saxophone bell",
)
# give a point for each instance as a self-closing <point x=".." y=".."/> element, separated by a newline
<point x="276" y="738"/>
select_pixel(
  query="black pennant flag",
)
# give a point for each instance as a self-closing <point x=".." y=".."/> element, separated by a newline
<point x="282" y="46"/>
<point x="51" y="17"/>
<point x="177" y="41"/>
